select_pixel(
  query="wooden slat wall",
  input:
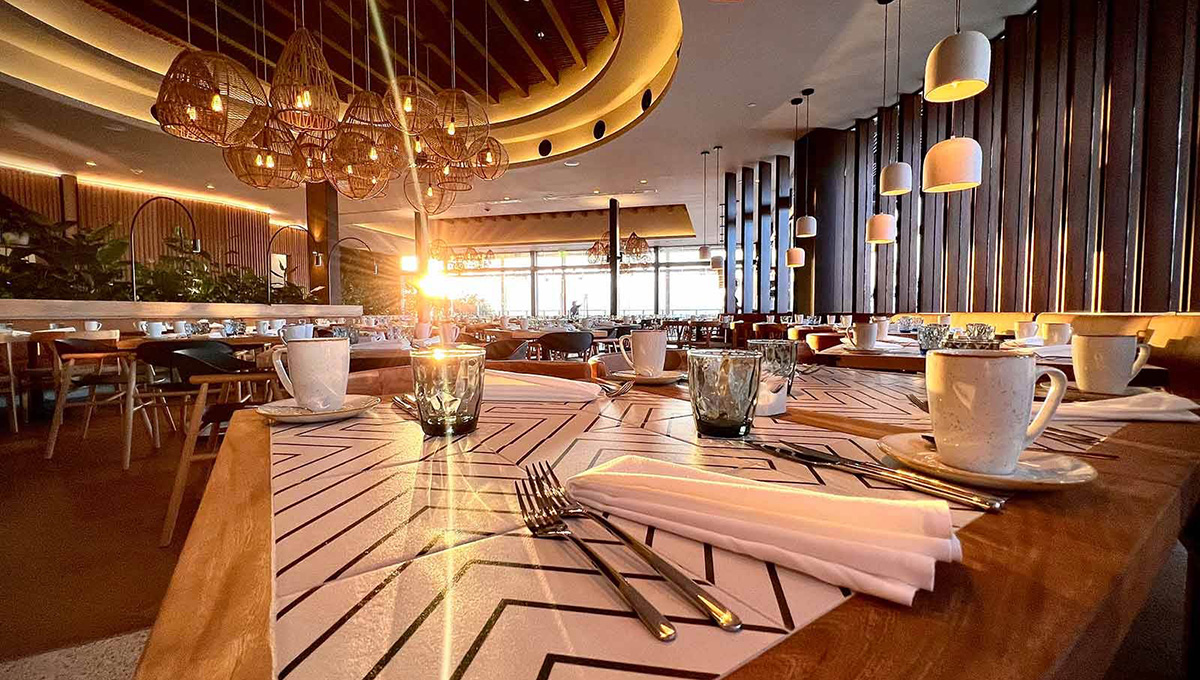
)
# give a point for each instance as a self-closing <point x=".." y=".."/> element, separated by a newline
<point x="33" y="191"/>
<point x="1091" y="183"/>
<point x="749" y="200"/>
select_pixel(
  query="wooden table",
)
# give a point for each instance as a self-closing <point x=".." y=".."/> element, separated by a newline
<point x="1048" y="589"/>
<point x="912" y="361"/>
<point x="235" y="340"/>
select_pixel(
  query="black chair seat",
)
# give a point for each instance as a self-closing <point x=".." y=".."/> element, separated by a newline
<point x="502" y="350"/>
<point x="222" y="413"/>
<point x="568" y="343"/>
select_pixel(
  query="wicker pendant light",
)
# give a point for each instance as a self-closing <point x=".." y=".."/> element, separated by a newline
<point x="312" y="148"/>
<point x="186" y="89"/>
<point x="461" y="123"/>
<point x="635" y="248"/>
<point x="410" y="102"/>
<point x="424" y="195"/>
<point x="454" y="175"/>
<point x="490" y="161"/>
<point x="302" y="90"/>
<point x="269" y="161"/>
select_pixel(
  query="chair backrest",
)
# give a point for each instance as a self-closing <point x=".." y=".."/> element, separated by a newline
<point x="507" y="350"/>
<point x="1175" y="345"/>
<point x="1099" y="324"/>
<point x="209" y="359"/>
<point x="569" y="342"/>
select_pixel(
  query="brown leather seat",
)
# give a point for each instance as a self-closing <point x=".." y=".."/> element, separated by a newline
<point x="1175" y="339"/>
<point x="1003" y="322"/>
<point x="1086" y="323"/>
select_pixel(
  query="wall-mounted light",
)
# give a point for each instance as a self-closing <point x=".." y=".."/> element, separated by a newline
<point x="318" y="259"/>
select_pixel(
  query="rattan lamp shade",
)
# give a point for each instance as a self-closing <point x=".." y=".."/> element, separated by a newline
<point x="425" y="196"/>
<point x="302" y="91"/>
<point x="269" y="161"/>
<point x="349" y="165"/>
<point x="411" y="105"/>
<point x="491" y="160"/>
<point x="208" y="97"/>
<point x="460" y="126"/>
<point x="454" y="176"/>
<point x="311" y="147"/>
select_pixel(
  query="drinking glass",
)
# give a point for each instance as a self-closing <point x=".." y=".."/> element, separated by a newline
<point x="724" y="390"/>
<point x="981" y="331"/>
<point x="778" y="358"/>
<point x="448" y="385"/>
<point x="932" y="336"/>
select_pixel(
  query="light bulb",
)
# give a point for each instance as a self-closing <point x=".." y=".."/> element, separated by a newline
<point x="299" y="101"/>
<point x="374" y="180"/>
<point x="307" y="99"/>
<point x="258" y="160"/>
<point x="408" y="104"/>
<point x="308" y="162"/>
<point x="450" y="127"/>
<point x="417" y="146"/>
<point x="374" y="155"/>
<point x="488" y="158"/>
<point x="446" y="170"/>
<point x="217" y="105"/>
<point x="349" y="169"/>
<point x="429" y="191"/>
<point x="270" y="161"/>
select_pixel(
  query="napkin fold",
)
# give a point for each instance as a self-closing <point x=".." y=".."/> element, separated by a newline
<point x="1052" y="351"/>
<point x="506" y="386"/>
<point x="885" y="548"/>
<point x="1159" y="406"/>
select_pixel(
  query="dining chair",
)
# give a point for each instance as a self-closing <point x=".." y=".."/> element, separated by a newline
<point x="162" y="382"/>
<point x="11" y="381"/>
<point x="563" y="345"/>
<point x="506" y="349"/>
<point x="208" y="368"/>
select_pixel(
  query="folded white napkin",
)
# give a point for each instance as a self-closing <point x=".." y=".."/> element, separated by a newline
<point x="1159" y="406"/>
<point x="1052" y="351"/>
<point x="881" y="547"/>
<point x="506" y="386"/>
<point x="899" y="340"/>
<point x="879" y="345"/>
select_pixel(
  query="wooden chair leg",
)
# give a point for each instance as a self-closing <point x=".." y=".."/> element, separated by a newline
<point x="12" y="390"/>
<point x="60" y="403"/>
<point x="185" y="464"/>
<point x="91" y="407"/>
<point x="130" y="393"/>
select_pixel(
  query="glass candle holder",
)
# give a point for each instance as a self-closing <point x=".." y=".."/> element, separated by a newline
<point x="448" y="385"/>
<point x="724" y="390"/>
<point x="778" y="359"/>
<point x="932" y="336"/>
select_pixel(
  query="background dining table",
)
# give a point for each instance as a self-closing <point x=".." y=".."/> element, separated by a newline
<point x="1047" y="588"/>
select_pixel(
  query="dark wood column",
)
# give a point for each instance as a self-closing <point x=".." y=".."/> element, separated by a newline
<point x="802" y="277"/>
<point x="766" y="257"/>
<point x="828" y="278"/>
<point x="321" y="201"/>
<point x="614" y="250"/>
<point x="749" y="201"/>
<point x="421" y="240"/>
<point x="731" y="241"/>
<point x="781" y="224"/>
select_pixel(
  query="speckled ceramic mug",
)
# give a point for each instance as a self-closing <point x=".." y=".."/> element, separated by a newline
<point x="980" y="401"/>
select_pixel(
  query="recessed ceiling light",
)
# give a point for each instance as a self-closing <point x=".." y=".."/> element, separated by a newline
<point x="115" y="127"/>
<point x="90" y="164"/>
<point x="508" y="198"/>
<point x="643" y="181"/>
<point x="571" y="164"/>
<point x="209" y="186"/>
<point x="595" y="191"/>
<point x="541" y="35"/>
<point x="136" y="171"/>
<point x="752" y="104"/>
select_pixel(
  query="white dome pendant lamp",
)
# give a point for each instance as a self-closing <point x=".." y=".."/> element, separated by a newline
<point x="954" y="164"/>
<point x="705" y="254"/>
<point x="805" y="225"/>
<point x="896" y="179"/>
<point x="795" y="257"/>
<point x="881" y="229"/>
<point x="959" y="66"/>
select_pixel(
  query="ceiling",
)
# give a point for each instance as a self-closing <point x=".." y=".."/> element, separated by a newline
<point x="740" y="63"/>
<point x="525" y="43"/>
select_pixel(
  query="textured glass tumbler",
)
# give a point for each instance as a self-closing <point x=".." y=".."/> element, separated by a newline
<point x="778" y="359"/>
<point x="932" y="336"/>
<point x="448" y="385"/>
<point x="724" y="390"/>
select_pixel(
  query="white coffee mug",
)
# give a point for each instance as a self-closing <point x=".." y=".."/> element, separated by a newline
<point x="1026" y="329"/>
<point x="422" y="330"/>
<point x="980" y="401"/>
<point x="55" y="326"/>
<point x="296" y="331"/>
<point x="523" y="323"/>
<point x="154" y="329"/>
<point x="263" y="327"/>
<point x="276" y="324"/>
<point x="92" y="325"/>
<point x="647" y="352"/>
<point x="180" y="328"/>
<point x="1104" y="364"/>
<point x="449" y="333"/>
<point x="317" y="371"/>
<point x="1056" y="333"/>
<point x="884" y="325"/>
<point x="862" y="335"/>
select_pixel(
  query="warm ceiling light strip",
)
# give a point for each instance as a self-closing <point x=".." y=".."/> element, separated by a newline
<point x="174" y="193"/>
<point x="27" y="167"/>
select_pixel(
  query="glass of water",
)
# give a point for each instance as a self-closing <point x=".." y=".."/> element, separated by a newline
<point x="724" y="390"/>
<point x="448" y="386"/>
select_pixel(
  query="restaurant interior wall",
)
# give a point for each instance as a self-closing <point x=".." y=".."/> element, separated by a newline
<point x="1091" y="188"/>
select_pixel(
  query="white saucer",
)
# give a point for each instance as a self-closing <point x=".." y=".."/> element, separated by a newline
<point x="287" y="411"/>
<point x="854" y="350"/>
<point x="666" y="378"/>
<point x="1036" y="470"/>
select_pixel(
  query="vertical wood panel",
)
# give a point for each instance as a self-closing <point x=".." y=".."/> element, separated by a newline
<point x="933" y="219"/>
<point x="1012" y="259"/>
<point x="864" y="207"/>
<point x="1182" y="256"/>
<point x="766" y="257"/>
<point x="33" y="191"/>
<point x="1047" y="156"/>
<point x="885" y="255"/>
<point x="983" y="255"/>
<point x="731" y="242"/>
<point x="845" y="219"/>
<point x="781" y="185"/>
<point x="908" y="222"/>
<point x="749" y="200"/>
<point x="1081" y="161"/>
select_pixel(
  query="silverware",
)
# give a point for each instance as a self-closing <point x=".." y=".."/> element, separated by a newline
<point x="1061" y="434"/>
<point x="810" y="369"/>
<point x="911" y="480"/>
<point x="544" y="521"/>
<point x="546" y="485"/>
<point x="406" y="403"/>
<point x="613" y="391"/>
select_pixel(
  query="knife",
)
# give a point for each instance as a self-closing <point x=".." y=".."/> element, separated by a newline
<point x="921" y="483"/>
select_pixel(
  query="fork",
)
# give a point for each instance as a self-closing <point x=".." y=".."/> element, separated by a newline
<point x="545" y="483"/>
<point x="810" y="369"/>
<point x="614" y="391"/>
<point x="545" y="522"/>
<point x="1056" y="433"/>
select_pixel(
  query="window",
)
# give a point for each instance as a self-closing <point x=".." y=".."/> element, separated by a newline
<point x="279" y="267"/>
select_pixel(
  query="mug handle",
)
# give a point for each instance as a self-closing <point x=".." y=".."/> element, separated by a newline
<point x="1143" y="355"/>
<point x="621" y="346"/>
<point x="277" y="359"/>
<point x="1058" y="388"/>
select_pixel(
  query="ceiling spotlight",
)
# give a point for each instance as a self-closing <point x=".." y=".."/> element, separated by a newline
<point x="595" y="191"/>
<point x="209" y="186"/>
<point x="643" y="181"/>
<point x="90" y="164"/>
<point x="571" y="164"/>
<point x="541" y="35"/>
<point x="136" y="171"/>
<point x="751" y="105"/>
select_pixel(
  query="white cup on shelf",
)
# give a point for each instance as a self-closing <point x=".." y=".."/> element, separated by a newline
<point x="1056" y="333"/>
<point x="155" y="329"/>
<point x="862" y="335"/>
<point x="92" y="325"/>
<point x="1025" y="330"/>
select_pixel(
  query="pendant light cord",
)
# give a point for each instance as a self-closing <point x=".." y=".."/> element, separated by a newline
<point x="295" y="16"/>
<point x="453" y="54"/>
<point x="350" y="6"/>
<point x="487" y="65"/>
<point x="807" y="145"/>
<point x="217" y="26"/>
<point x="367" y="39"/>
<point x="899" y="26"/>
<point x="885" y="53"/>
<point x="188" y="9"/>
<point x="704" y="235"/>
<point x="408" y="49"/>
<point x="717" y="148"/>
<point x="958" y="16"/>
